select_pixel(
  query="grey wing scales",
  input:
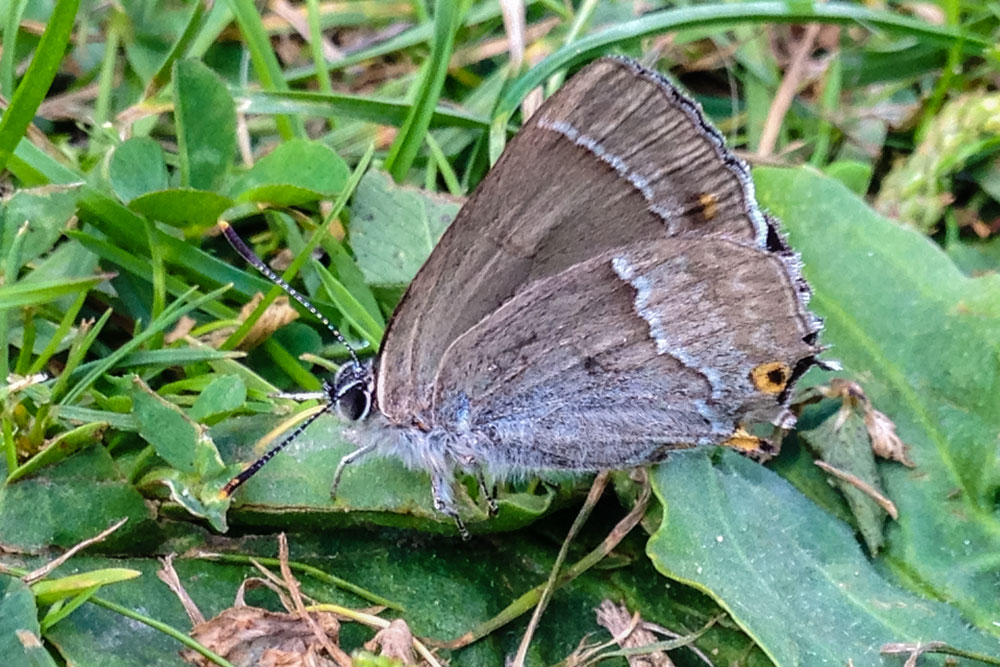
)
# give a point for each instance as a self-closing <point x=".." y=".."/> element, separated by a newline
<point x="616" y="156"/>
<point x="620" y="358"/>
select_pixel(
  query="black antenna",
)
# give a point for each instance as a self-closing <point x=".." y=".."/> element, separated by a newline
<point x="251" y="470"/>
<point x="246" y="253"/>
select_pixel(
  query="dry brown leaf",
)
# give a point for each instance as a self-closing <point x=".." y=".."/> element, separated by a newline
<point x="281" y="260"/>
<point x="247" y="635"/>
<point x="881" y="429"/>
<point x="277" y="315"/>
<point x="885" y="442"/>
<point x="183" y="327"/>
<point x="251" y="636"/>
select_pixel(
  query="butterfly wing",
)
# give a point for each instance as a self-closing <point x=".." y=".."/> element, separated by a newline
<point x="617" y="156"/>
<point x="627" y="355"/>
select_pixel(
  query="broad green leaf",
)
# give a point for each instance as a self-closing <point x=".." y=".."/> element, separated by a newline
<point x="784" y="568"/>
<point x="374" y="489"/>
<point x="923" y="340"/>
<point x="173" y="435"/>
<point x="206" y="125"/>
<point x="296" y="172"/>
<point x="394" y="228"/>
<point x="137" y="167"/>
<point x="446" y="587"/>
<point x="20" y="634"/>
<point x="198" y="495"/>
<point x="179" y="441"/>
<point x="73" y="501"/>
<point x="47" y="211"/>
<point x="182" y="207"/>
<point x="223" y="395"/>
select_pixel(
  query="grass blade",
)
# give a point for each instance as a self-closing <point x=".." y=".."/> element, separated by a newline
<point x="411" y="135"/>
<point x="265" y="62"/>
<point x="38" y="78"/>
<point x="37" y="293"/>
<point x="722" y="16"/>
<point x="343" y="105"/>
<point x="170" y="315"/>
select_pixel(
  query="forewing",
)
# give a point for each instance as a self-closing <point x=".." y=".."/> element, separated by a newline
<point x="617" y="156"/>
<point x="625" y="356"/>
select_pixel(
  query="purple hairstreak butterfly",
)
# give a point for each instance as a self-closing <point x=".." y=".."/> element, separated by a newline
<point x="609" y="293"/>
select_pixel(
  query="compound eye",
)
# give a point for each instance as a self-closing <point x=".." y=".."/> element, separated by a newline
<point x="354" y="402"/>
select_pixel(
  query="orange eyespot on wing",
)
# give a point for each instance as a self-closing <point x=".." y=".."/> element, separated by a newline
<point x="742" y="440"/>
<point x="709" y="205"/>
<point x="771" y="377"/>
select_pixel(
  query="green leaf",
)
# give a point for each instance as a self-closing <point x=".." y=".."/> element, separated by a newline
<point x="182" y="207"/>
<point x="20" y="634"/>
<point x="198" y="496"/>
<point x="206" y="125"/>
<point x="783" y="568"/>
<point x="59" y="448"/>
<point x="198" y="472"/>
<point x="346" y="270"/>
<point x="265" y="60"/>
<point x="976" y="257"/>
<point x="47" y="210"/>
<point x="294" y="173"/>
<point x="360" y="317"/>
<point x="923" y="340"/>
<point x="394" y="228"/>
<point x="855" y="175"/>
<point x="223" y="395"/>
<point x="72" y="501"/>
<point x="136" y="168"/>
<point x="342" y="105"/>
<point x="844" y="443"/>
<point x="121" y="422"/>
<point x="447" y="19"/>
<point x="380" y="490"/>
<point x="173" y="435"/>
<point x="35" y="84"/>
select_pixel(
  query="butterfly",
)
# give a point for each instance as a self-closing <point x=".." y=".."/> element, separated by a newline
<point x="610" y="292"/>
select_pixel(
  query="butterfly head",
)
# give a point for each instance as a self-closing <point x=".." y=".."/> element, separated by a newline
<point x="352" y="389"/>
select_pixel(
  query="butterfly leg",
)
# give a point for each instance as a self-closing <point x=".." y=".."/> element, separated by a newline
<point x="470" y="465"/>
<point x="346" y="461"/>
<point x="490" y="495"/>
<point x="443" y="502"/>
